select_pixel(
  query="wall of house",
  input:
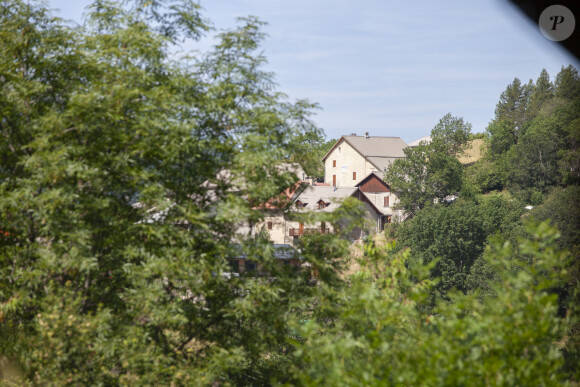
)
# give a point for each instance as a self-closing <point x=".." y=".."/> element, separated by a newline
<point x="369" y="167"/>
<point x="348" y="160"/>
<point x="278" y="227"/>
<point x="378" y="200"/>
<point x="291" y="224"/>
<point x="370" y="219"/>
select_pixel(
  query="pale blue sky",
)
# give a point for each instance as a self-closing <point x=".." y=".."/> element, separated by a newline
<point x="391" y="68"/>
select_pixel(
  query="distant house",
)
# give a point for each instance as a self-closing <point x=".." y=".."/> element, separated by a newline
<point x="379" y="200"/>
<point x="285" y="254"/>
<point x="274" y="221"/>
<point x="318" y="198"/>
<point x="273" y="209"/>
<point x="354" y="157"/>
<point x="424" y="139"/>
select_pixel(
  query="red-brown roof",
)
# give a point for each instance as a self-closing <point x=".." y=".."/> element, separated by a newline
<point x="282" y="200"/>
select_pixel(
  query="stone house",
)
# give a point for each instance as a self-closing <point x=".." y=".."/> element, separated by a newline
<point x="379" y="200"/>
<point x="318" y="199"/>
<point x="354" y="157"/>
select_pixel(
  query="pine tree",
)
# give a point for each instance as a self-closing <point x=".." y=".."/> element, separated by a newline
<point x="543" y="92"/>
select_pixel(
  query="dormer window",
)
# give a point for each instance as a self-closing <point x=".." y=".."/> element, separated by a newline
<point x="299" y="204"/>
<point x="322" y="204"/>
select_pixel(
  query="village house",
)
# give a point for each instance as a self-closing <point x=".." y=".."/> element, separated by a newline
<point x="317" y="198"/>
<point x="354" y="168"/>
<point x="372" y="191"/>
<point x="379" y="202"/>
<point x="285" y="254"/>
<point x="354" y="157"/>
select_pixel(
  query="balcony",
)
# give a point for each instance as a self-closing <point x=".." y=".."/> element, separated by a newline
<point x="306" y="231"/>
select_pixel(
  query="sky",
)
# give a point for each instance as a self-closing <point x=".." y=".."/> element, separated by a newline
<point x="390" y="68"/>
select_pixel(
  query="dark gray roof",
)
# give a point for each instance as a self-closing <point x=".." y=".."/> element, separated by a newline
<point x="285" y="251"/>
<point x="333" y="195"/>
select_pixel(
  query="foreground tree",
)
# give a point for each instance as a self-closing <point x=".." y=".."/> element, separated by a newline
<point x="308" y="149"/>
<point x="112" y="250"/>
<point x="381" y="338"/>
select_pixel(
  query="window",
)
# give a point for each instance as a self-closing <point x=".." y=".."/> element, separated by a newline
<point x="321" y="204"/>
<point x="250" y="266"/>
<point x="354" y="175"/>
<point x="334" y="163"/>
<point x="334" y="180"/>
<point x="299" y="204"/>
<point x="269" y="225"/>
<point x="386" y="198"/>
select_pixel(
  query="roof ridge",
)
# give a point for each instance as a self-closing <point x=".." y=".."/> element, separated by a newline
<point x="350" y="135"/>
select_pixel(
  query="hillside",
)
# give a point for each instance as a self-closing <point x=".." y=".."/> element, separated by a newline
<point x="473" y="152"/>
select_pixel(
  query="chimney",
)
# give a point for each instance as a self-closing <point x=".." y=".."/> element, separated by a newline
<point x="353" y="134"/>
<point x="367" y="135"/>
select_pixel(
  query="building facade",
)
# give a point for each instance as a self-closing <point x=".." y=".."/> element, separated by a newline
<point x="353" y="158"/>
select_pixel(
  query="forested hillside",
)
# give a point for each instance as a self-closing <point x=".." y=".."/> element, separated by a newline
<point x="114" y="254"/>
<point x="528" y="171"/>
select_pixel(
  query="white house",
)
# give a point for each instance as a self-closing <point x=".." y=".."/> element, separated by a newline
<point x="354" y="157"/>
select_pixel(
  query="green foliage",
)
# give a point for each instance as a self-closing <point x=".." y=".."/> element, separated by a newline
<point x="567" y="83"/>
<point x="484" y="176"/>
<point x="308" y="148"/>
<point x="430" y="171"/>
<point x="381" y="338"/>
<point x="533" y="140"/>
<point x="112" y="248"/>
<point x="513" y="104"/>
<point x="451" y="133"/>
<point x="542" y="93"/>
<point x="502" y="136"/>
<point x="562" y="206"/>
<point x="453" y="236"/>
<point x="408" y="177"/>
<point x="534" y="160"/>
